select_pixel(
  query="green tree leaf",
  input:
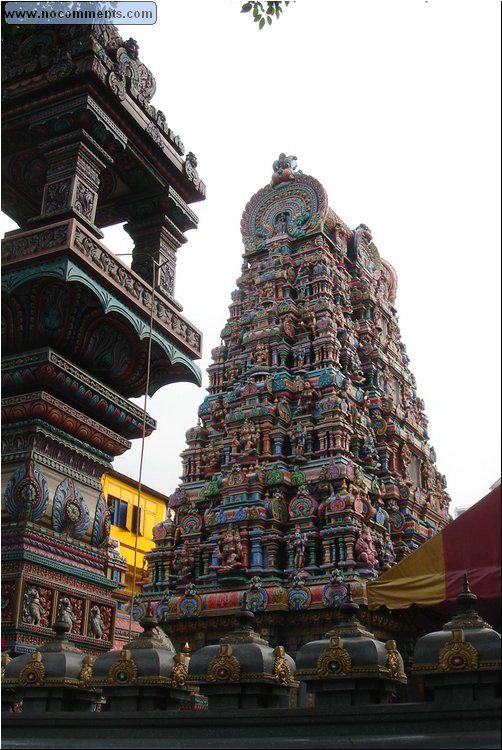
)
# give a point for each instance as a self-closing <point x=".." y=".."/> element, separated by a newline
<point x="273" y="8"/>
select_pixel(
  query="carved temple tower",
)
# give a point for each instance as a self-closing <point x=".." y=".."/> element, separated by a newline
<point x="83" y="148"/>
<point x="310" y="466"/>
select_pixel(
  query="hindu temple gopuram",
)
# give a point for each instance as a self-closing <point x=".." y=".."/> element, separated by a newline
<point x="82" y="332"/>
<point x="309" y="471"/>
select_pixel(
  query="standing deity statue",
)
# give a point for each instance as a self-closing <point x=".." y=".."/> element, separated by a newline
<point x="307" y="396"/>
<point x="405" y="460"/>
<point x="427" y="475"/>
<point x="211" y="456"/>
<point x="299" y="439"/>
<point x="387" y="555"/>
<point x="298" y="543"/>
<point x="307" y="321"/>
<point x="281" y="223"/>
<point x="218" y="415"/>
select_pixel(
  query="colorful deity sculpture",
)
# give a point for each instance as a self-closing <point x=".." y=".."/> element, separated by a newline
<point x="229" y="550"/>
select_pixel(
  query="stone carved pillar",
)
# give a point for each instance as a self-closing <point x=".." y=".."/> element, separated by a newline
<point x="156" y="240"/>
<point x="266" y="440"/>
<point x="206" y="555"/>
<point x="349" y="549"/>
<point x="311" y="552"/>
<point x="326" y="551"/>
<point x="244" y="535"/>
<point x="256" y="550"/>
<point x="73" y="179"/>
<point x="273" y="552"/>
<point x="310" y="442"/>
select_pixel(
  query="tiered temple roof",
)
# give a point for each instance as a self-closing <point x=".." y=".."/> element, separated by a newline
<point x="310" y="466"/>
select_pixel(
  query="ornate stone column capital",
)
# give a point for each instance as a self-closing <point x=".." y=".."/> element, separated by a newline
<point x="156" y="240"/>
<point x="73" y="179"/>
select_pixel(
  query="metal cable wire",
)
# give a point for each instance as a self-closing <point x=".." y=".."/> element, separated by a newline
<point x="140" y="509"/>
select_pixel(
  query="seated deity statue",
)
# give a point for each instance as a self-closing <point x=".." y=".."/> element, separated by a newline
<point x="183" y="561"/>
<point x="365" y="548"/>
<point x="248" y="436"/>
<point x="229" y="551"/>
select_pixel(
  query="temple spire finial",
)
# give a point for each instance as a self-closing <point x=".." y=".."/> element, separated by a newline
<point x="466" y="599"/>
<point x="284" y="168"/>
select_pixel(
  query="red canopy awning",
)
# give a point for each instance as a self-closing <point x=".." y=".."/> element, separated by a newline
<point x="433" y="574"/>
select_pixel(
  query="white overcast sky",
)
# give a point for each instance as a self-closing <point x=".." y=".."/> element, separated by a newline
<point x="394" y="106"/>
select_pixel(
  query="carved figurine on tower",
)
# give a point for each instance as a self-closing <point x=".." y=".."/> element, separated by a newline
<point x="314" y="416"/>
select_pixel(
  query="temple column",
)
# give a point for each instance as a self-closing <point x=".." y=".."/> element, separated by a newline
<point x="156" y="240"/>
<point x="273" y="551"/>
<point x="311" y="551"/>
<point x="310" y="441"/>
<point x="266" y="440"/>
<point x="278" y="441"/>
<point x="326" y="551"/>
<point x="245" y="547"/>
<point x="205" y="560"/>
<point x="350" y="541"/>
<point x="256" y="551"/>
<point x="73" y="180"/>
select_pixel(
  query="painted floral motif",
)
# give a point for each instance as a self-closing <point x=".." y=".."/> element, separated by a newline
<point x="70" y="512"/>
<point x="27" y="493"/>
<point x="102" y="523"/>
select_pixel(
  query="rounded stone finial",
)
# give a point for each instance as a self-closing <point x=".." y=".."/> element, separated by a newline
<point x="467" y="617"/>
<point x="61" y="628"/>
<point x="466" y="599"/>
<point x="349" y="609"/>
<point x="148" y="622"/>
<point x="245" y="617"/>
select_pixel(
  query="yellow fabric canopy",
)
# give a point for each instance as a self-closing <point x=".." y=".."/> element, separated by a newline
<point x="434" y="572"/>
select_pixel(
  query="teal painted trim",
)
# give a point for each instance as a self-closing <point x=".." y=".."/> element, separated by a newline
<point x="12" y="279"/>
<point x="67" y="270"/>
<point x="78" y="104"/>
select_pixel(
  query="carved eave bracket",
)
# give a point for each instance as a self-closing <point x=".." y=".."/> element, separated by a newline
<point x="68" y="252"/>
